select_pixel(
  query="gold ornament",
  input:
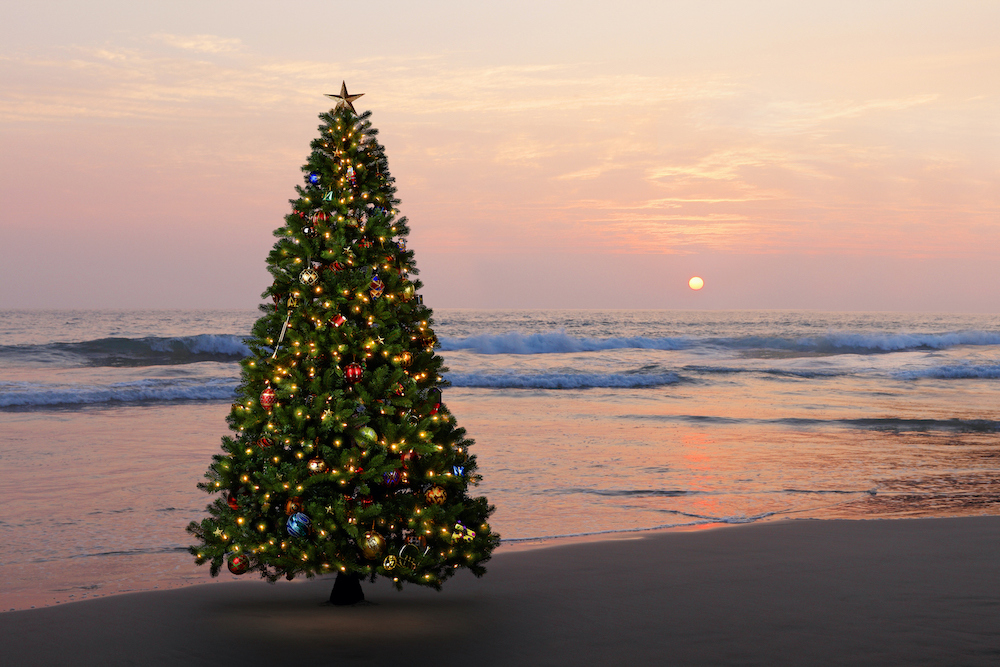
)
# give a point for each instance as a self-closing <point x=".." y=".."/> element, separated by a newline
<point x="372" y="545"/>
<point x="390" y="562"/>
<point x="405" y="359"/>
<point x="436" y="495"/>
<point x="408" y="291"/>
<point x="309" y="277"/>
<point x="317" y="466"/>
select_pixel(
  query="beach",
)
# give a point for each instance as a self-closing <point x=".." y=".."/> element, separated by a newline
<point x="833" y="592"/>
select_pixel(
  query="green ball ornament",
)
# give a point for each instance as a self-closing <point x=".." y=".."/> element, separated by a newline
<point x="367" y="434"/>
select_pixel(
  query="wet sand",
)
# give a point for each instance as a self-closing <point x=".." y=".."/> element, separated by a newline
<point x="882" y="592"/>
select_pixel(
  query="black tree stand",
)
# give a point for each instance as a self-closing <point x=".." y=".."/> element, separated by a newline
<point x="346" y="590"/>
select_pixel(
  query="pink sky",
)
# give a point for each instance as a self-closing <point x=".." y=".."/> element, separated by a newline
<point x="832" y="155"/>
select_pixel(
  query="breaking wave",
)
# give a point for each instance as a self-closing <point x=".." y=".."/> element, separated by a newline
<point x="559" y="342"/>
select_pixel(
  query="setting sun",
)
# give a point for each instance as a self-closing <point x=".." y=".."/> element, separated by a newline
<point x="696" y="283"/>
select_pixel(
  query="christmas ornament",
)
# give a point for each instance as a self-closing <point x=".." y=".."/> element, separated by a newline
<point x="458" y="471"/>
<point x="409" y="458"/>
<point x="309" y="277"/>
<point x="409" y="557"/>
<point x="367" y="434"/>
<point x="364" y="243"/>
<point x="390" y="562"/>
<point x="298" y="525"/>
<point x="231" y="500"/>
<point x="377" y="287"/>
<point x="351" y="177"/>
<point x="337" y="266"/>
<point x="405" y="359"/>
<point x="314" y="178"/>
<point x="294" y="301"/>
<point x="338" y="321"/>
<point x="345" y="99"/>
<point x="317" y="466"/>
<point x="267" y="399"/>
<point x="319" y="216"/>
<point x="435" y="395"/>
<point x="415" y="539"/>
<point x="401" y="244"/>
<point x="372" y="545"/>
<point x="462" y="533"/>
<point x="408" y="291"/>
<point x="293" y="505"/>
<point x="353" y="372"/>
<point x="263" y="441"/>
<point x="239" y="564"/>
<point x="328" y="196"/>
<point x="436" y="495"/>
<point x="392" y="478"/>
<point x="398" y="389"/>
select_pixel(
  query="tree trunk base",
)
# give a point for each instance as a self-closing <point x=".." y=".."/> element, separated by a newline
<point x="346" y="590"/>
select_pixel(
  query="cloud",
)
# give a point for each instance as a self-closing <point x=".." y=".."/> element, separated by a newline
<point x="201" y="43"/>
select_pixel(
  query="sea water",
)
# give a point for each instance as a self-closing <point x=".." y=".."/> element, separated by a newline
<point x="586" y="423"/>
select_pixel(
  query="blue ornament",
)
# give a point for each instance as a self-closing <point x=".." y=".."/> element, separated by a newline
<point x="314" y="178"/>
<point x="298" y="525"/>
<point x="458" y="470"/>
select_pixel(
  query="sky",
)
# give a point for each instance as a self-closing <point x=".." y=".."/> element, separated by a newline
<point x="832" y="155"/>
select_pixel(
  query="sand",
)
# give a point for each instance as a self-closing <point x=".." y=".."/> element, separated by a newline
<point x="900" y="592"/>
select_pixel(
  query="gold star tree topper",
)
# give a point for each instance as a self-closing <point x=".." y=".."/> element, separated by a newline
<point x="345" y="99"/>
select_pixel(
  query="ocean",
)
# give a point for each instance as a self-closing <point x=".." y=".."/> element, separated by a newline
<point x="587" y="424"/>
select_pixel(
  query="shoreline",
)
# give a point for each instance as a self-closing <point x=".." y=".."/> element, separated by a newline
<point x="36" y="600"/>
<point x="918" y="591"/>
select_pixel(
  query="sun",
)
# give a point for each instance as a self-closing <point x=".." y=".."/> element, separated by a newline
<point x="696" y="283"/>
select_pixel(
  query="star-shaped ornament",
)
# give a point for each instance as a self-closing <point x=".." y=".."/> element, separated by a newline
<point x="345" y="99"/>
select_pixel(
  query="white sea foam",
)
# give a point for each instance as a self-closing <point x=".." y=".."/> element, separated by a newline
<point x="28" y="394"/>
<point x="559" y="342"/>
<point x="559" y="380"/>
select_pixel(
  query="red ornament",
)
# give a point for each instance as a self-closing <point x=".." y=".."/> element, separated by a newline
<point x="263" y="441"/>
<point x="239" y="564"/>
<point x="231" y="500"/>
<point x="353" y="372"/>
<point x="338" y="321"/>
<point x="319" y="216"/>
<point x="364" y="243"/>
<point x="267" y="399"/>
<point x="336" y="266"/>
<point x="409" y="458"/>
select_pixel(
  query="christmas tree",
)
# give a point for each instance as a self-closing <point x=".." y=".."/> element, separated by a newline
<point x="343" y="457"/>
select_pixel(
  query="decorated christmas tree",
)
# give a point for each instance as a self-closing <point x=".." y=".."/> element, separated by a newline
<point x="343" y="458"/>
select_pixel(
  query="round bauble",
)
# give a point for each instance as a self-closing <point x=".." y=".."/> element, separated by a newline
<point x="372" y="545"/>
<point x="264" y="441"/>
<point x="317" y="466"/>
<point x="231" y="500"/>
<point x="405" y="359"/>
<point x="309" y="277"/>
<point x="408" y="291"/>
<point x="267" y="399"/>
<point x="293" y="505"/>
<point x="436" y="495"/>
<point x="298" y="525"/>
<point x="390" y="562"/>
<point x="353" y="372"/>
<point x="314" y="178"/>
<point x="367" y="434"/>
<point x="239" y="564"/>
